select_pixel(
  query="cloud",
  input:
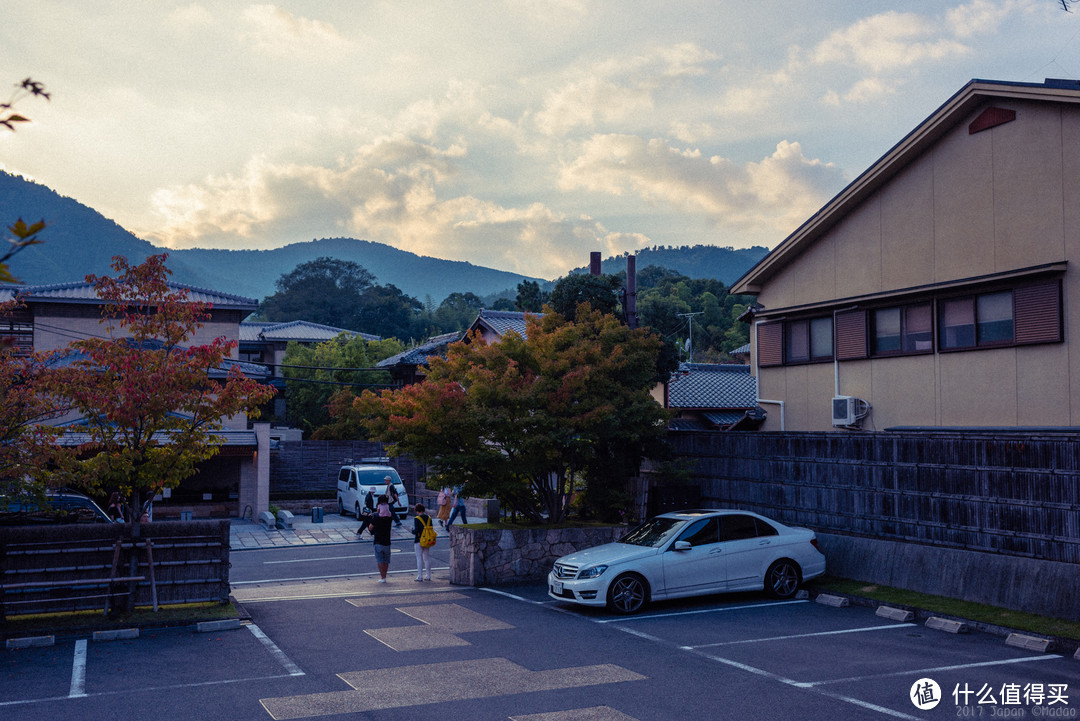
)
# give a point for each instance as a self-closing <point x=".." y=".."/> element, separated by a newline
<point x="388" y="192"/>
<point x="777" y="192"/>
<point x="190" y="17"/>
<point x="890" y="41"/>
<point x="981" y="17"/>
<point x="619" y="89"/>
<point x="277" y="32"/>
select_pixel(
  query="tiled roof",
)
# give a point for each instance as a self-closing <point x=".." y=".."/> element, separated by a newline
<point x="719" y="387"/>
<point x="741" y="350"/>
<point x="84" y="293"/>
<point x="299" y="330"/>
<point x="502" y="322"/>
<point x="251" y="370"/>
<point x="418" y="355"/>
<point x="227" y="436"/>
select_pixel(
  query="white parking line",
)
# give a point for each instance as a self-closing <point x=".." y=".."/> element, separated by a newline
<point x="927" y="671"/>
<point x="78" y="671"/>
<point x="673" y="614"/>
<point x="804" y="635"/>
<point x="285" y="661"/>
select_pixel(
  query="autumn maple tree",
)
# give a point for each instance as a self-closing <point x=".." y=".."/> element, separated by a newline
<point x="534" y="422"/>
<point x="149" y="404"/>
<point x="27" y="443"/>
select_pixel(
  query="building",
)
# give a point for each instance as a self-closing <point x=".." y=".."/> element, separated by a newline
<point x="494" y="324"/>
<point x="935" y="290"/>
<point x="712" y="397"/>
<point x="238" y="478"/>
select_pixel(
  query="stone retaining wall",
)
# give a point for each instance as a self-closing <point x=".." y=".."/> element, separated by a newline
<point x="499" y="557"/>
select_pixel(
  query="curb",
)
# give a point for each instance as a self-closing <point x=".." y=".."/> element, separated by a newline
<point x="1064" y="646"/>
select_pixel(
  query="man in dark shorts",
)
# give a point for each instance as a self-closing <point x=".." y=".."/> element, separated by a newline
<point x="380" y="528"/>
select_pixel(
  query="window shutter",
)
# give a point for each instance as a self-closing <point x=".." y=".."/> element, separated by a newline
<point x="851" y="335"/>
<point x="1037" y="313"/>
<point x="770" y="344"/>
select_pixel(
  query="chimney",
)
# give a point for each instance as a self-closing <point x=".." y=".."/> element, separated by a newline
<point x="631" y="291"/>
<point x="594" y="263"/>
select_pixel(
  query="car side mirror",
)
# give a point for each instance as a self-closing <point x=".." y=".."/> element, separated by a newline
<point x="682" y="545"/>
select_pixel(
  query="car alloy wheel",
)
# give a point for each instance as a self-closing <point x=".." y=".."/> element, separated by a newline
<point x="782" y="579"/>
<point x="627" y="594"/>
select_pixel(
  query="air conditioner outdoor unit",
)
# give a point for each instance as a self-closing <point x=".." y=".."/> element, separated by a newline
<point x="843" y="410"/>
<point x="847" y="410"/>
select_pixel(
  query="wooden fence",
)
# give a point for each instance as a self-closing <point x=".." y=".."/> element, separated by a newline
<point x="100" y="566"/>
<point x="1011" y="493"/>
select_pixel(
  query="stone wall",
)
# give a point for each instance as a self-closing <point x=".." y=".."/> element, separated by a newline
<point x="498" y="557"/>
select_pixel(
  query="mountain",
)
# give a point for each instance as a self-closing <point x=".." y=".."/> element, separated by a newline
<point x="79" y="240"/>
<point x="698" y="261"/>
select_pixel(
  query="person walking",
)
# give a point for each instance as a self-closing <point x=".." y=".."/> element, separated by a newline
<point x="446" y="496"/>
<point x="116" y="507"/>
<point x="394" y="500"/>
<point x="421" y="521"/>
<point x="380" y="528"/>
<point x="459" y="506"/>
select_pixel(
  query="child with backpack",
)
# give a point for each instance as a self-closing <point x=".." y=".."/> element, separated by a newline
<point x="423" y="540"/>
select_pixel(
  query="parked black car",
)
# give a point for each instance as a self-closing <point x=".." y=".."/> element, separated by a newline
<point x="64" y="506"/>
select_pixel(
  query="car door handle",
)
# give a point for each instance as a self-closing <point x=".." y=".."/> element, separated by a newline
<point x="765" y="543"/>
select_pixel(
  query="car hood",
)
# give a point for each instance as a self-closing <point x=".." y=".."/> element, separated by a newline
<point x="609" y="553"/>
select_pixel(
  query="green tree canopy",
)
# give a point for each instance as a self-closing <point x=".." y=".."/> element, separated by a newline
<point x="325" y="290"/>
<point x="531" y="422"/>
<point x="315" y="373"/>
<point x="599" y="291"/>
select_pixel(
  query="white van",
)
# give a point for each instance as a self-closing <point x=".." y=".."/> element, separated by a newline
<point x="356" y="479"/>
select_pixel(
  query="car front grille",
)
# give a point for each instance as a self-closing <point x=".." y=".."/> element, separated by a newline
<point x="564" y="572"/>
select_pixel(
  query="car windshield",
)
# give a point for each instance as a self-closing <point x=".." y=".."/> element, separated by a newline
<point x="654" y="533"/>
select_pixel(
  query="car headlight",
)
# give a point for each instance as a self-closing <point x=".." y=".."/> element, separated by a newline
<point x="592" y="572"/>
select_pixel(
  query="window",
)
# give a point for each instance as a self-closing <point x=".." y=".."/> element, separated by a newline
<point x="702" y="532"/>
<point x="808" y="340"/>
<point x="738" y="526"/>
<point x="907" y="329"/>
<point x="981" y="320"/>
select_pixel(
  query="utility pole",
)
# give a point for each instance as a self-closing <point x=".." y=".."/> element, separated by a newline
<point x="691" y="317"/>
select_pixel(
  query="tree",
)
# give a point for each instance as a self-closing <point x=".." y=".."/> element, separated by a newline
<point x="599" y="291"/>
<point x="388" y="312"/>
<point x="315" y="372"/>
<point x="530" y="421"/>
<point x="324" y="290"/>
<point x="27" y="446"/>
<point x="149" y="406"/>
<point x="530" y="299"/>
<point x="457" y="311"/>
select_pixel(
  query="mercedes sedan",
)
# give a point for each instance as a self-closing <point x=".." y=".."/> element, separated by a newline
<point x="689" y="553"/>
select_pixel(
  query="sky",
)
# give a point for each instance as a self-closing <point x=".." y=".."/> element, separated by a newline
<point x="517" y="135"/>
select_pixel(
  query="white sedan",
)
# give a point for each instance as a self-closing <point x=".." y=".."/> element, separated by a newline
<point x="689" y="553"/>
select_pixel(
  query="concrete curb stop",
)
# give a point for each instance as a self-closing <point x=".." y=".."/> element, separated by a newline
<point x="1029" y="643"/>
<point x="31" y="641"/>
<point x="896" y="614"/>
<point x="826" y="599"/>
<point x="116" y="634"/>
<point x="227" y="624"/>
<point x="946" y="624"/>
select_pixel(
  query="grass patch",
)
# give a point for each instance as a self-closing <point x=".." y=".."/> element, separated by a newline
<point x="142" y="617"/>
<point x="978" y="612"/>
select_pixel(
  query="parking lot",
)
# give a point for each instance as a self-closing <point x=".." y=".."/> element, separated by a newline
<point x="328" y="645"/>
